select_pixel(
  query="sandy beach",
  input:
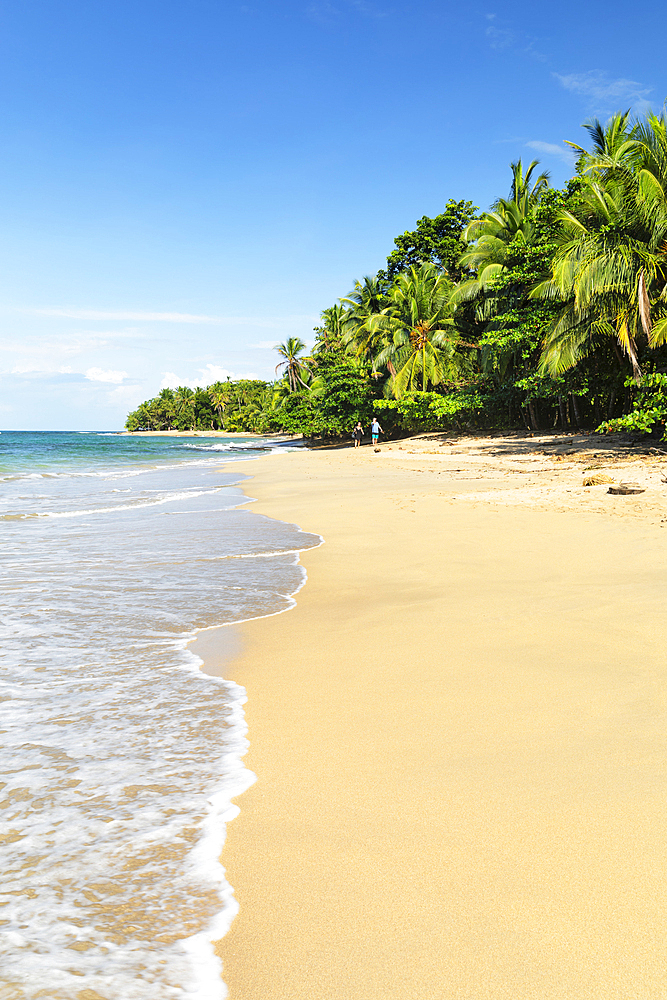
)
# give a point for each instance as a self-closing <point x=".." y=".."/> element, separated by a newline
<point x="459" y="732"/>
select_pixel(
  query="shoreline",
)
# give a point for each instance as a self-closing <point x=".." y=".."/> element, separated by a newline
<point x="211" y="433"/>
<point x="458" y="734"/>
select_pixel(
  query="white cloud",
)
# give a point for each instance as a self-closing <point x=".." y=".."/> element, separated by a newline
<point x="65" y="373"/>
<point x="170" y="317"/>
<point x="99" y="375"/>
<point x="210" y="374"/>
<point x="563" y="152"/>
<point x="23" y="369"/>
<point x="172" y="381"/>
<point x="263" y="345"/>
<point x="125" y="391"/>
<point x="45" y="351"/>
<point x="604" y="92"/>
<point x="214" y="373"/>
<point x="146" y="317"/>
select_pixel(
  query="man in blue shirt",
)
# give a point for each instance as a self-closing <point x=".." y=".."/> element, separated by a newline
<point x="376" y="430"/>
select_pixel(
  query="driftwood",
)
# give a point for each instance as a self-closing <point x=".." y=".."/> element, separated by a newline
<point x="625" y="489"/>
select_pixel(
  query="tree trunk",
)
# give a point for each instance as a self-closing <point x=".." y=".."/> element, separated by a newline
<point x="532" y="410"/>
<point x="612" y="403"/>
<point x="525" y="416"/>
<point x="577" y="416"/>
<point x="598" y="418"/>
<point x="627" y="402"/>
<point x="563" y="413"/>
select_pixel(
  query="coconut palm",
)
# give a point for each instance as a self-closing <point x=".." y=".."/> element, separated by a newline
<point x="220" y="394"/>
<point x="294" y="367"/>
<point x="490" y="236"/>
<point x="260" y="406"/>
<point x="365" y="303"/>
<point x="332" y="331"/>
<point x="164" y="407"/>
<point x="184" y="405"/>
<point x="418" y="329"/>
<point x="611" y="266"/>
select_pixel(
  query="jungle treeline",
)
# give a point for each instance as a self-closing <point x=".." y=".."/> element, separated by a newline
<point x="549" y="310"/>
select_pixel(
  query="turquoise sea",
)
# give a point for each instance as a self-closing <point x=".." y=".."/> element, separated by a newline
<point x="118" y="756"/>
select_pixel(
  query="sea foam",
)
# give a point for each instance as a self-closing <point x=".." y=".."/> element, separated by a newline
<point x="120" y="757"/>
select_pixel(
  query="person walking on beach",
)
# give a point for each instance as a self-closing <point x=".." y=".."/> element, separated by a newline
<point x="376" y="430"/>
<point x="358" y="434"/>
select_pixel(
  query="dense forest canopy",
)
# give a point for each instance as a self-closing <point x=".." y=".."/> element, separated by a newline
<point x="547" y="310"/>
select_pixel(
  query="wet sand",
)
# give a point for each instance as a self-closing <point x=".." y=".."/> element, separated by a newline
<point x="459" y="733"/>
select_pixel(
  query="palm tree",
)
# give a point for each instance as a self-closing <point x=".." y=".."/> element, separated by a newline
<point x="164" y="406"/>
<point x="294" y="366"/>
<point x="418" y="329"/>
<point x="184" y="404"/>
<point x="510" y="221"/>
<point x="610" y="269"/>
<point x="261" y="406"/>
<point x="220" y="394"/>
<point x="365" y="303"/>
<point x="522" y="192"/>
<point x="334" y="320"/>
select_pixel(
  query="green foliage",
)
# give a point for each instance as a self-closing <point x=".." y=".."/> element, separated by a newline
<point x="419" y="411"/>
<point x="293" y="366"/>
<point x="609" y="273"/>
<point x="549" y="309"/>
<point x="345" y="395"/>
<point x="649" y="410"/>
<point x="419" y="339"/>
<point x="246" y="405"/>
<point x="439" y="240"/>
<point x="638" y="422"/>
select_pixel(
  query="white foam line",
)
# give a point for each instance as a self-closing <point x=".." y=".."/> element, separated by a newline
<point x="130" y="506"/>
<point x="205" y="857"/>
<point x="118" y="473"/>
<point x="264" y="555"/>
<point x="206" y="964"/>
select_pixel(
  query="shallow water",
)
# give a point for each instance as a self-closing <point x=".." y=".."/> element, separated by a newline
<point x="118" y="756"/>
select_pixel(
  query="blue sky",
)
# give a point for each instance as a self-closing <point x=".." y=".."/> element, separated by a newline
<point x="185" y="182"/>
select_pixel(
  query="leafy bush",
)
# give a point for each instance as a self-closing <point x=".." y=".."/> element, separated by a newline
<point x="649" y="408"/>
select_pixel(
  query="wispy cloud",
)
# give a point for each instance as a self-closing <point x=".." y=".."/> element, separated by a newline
<point x="142" y="317"/>
<point x="65" y="373"/>
<point x="604" y="93"/>
<point x="99" y="375"/>
<point x="24" y="369"/>
<point x="23" y="374"/>
<point x="167" y="317"/>
<point x="328" y="13"/>
<point x="62" y="346"/>
<point x="564" y="153"/>
<point x="499" y="38"/>
<point x="368" y="9"/>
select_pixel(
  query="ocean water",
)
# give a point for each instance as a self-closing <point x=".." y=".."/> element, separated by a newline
<point x="118" y="757"/>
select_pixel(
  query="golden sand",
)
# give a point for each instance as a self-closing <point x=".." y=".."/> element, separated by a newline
<point x="460" y="734"/>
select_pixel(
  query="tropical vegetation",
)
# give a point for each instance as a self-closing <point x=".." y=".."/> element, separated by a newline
<point x="548" y="310"/>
